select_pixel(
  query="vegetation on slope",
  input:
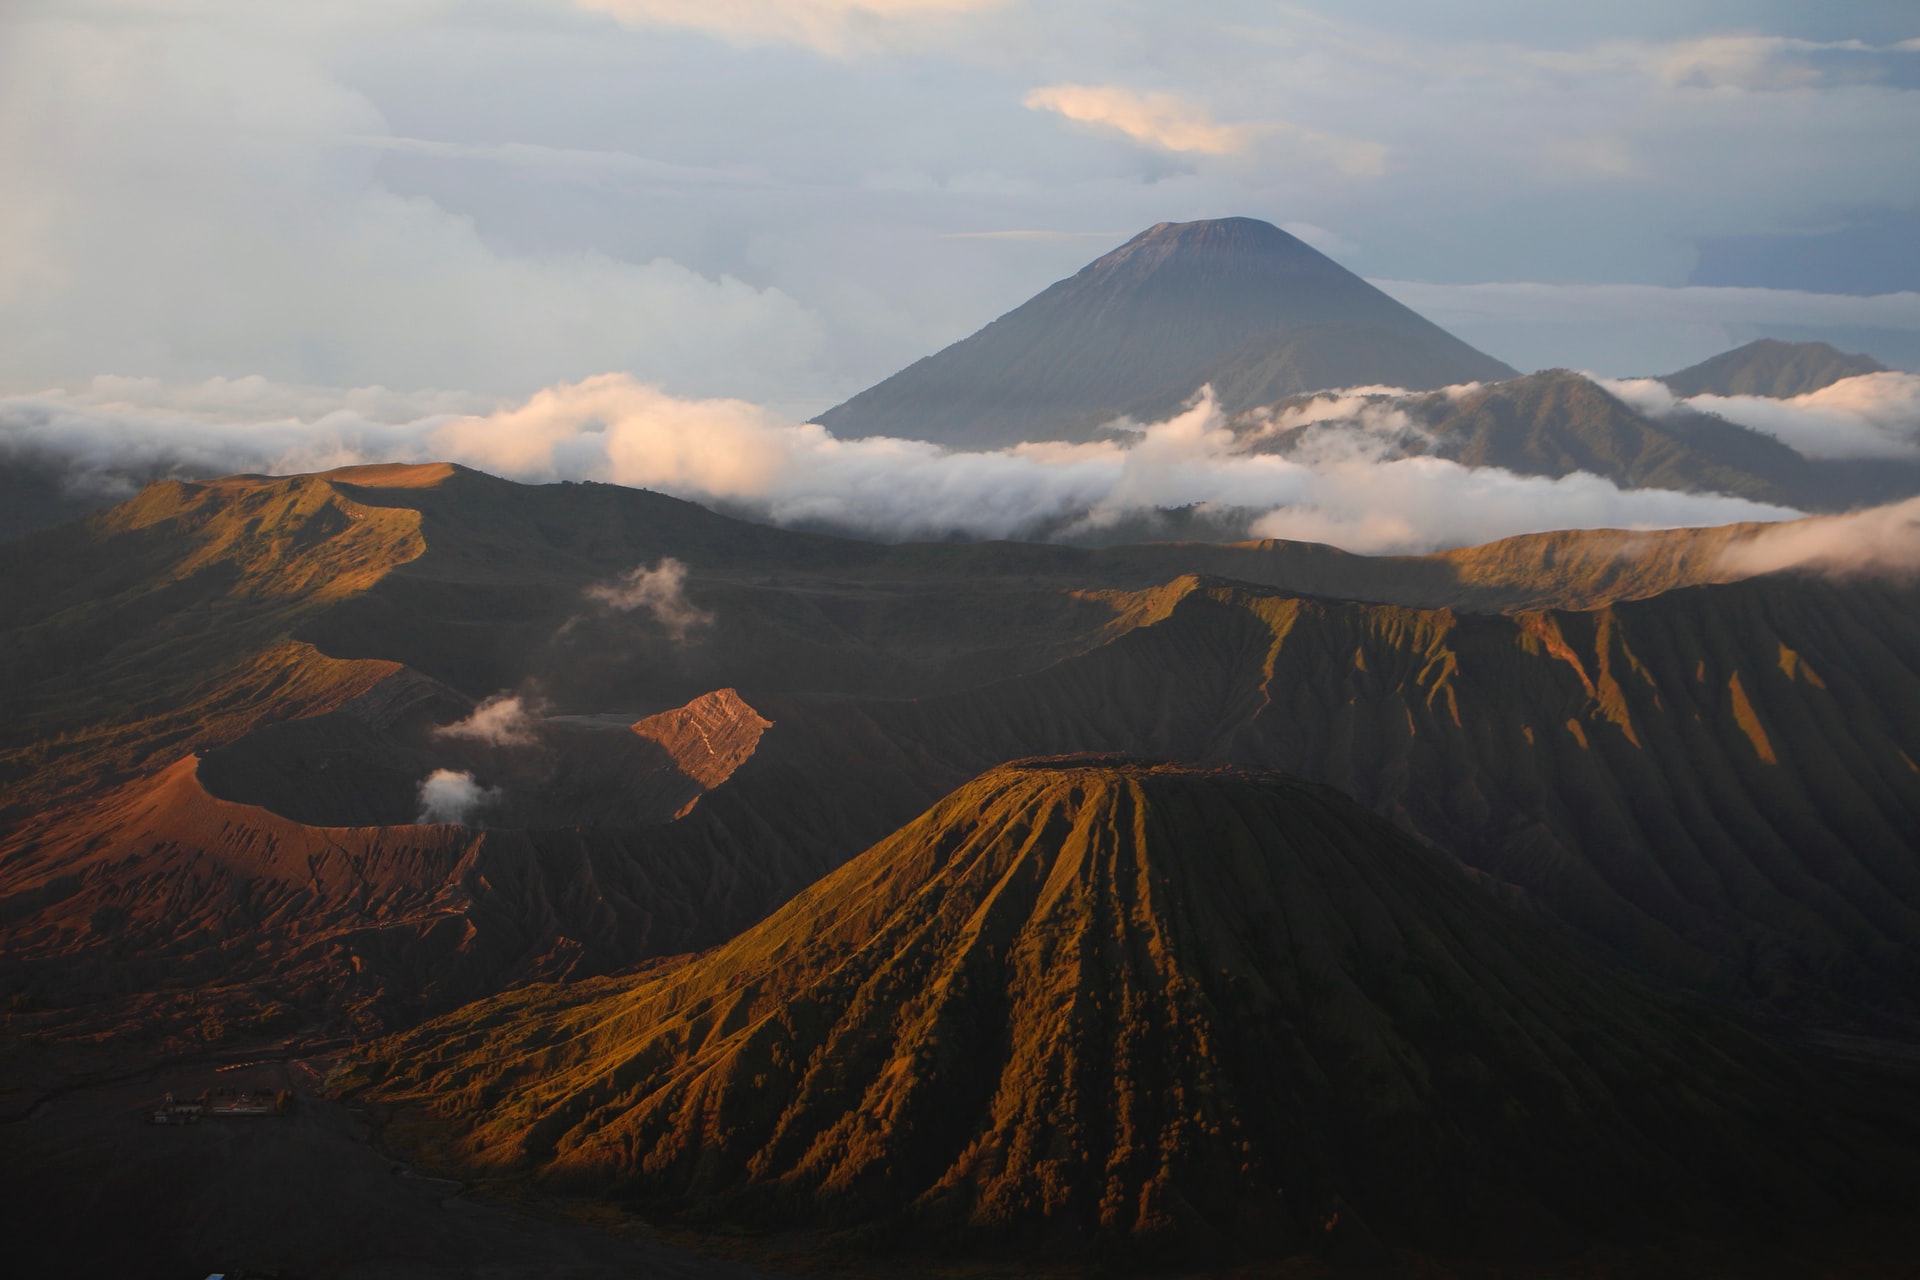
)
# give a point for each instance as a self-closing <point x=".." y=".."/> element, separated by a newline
<point x="1769" y="367"/>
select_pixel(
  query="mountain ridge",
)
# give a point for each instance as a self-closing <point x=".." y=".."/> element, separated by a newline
<point x="1772" y="368"/>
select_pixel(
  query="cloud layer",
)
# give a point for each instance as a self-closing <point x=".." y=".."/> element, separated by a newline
<point x="741" y="456"/>
<point x="1875" y="415"/>
<point x="1884" y="541"/>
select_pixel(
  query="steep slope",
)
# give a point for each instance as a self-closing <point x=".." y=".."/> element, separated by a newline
<point x="1717" y="786"/>
<point x="1558" y="422"/>
<point x="1154" y="318"/>
<point x="304" y="638"/>
<point x="168" y="918"/>
<point x="1088" y="1001"/>
<point x="1769" y="367"/>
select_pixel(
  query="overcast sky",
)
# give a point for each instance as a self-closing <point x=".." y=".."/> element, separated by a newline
<point x="785" y="200"/>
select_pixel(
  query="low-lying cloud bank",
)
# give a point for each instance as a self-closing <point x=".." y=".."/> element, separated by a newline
<point x="1874" y="415"/>
<point x="1881" y="541"/>
<point x="616" y="429"/>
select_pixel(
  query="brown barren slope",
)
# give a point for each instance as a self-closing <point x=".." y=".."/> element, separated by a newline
<point x="1088" y="1003"/>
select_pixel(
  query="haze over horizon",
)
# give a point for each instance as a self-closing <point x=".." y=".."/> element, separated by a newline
<point x="786" y="200"/>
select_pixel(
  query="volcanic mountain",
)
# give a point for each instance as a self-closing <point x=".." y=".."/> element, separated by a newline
<point x="1769" y="367"/>
<point x="1086" y="1001"/>
<point x="221" y="701"/>
<point x="1234" y="302"/>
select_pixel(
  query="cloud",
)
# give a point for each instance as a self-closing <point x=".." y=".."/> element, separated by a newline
<point x="1424" y="503"/>
<point x="583" y="161"/>
<point x="1174" y="123"/>
<point x="828" y="26"/>
<point x="1882" y="540"/>
<point x="745" y="458"/>
<point x="1158" y="119"/>
<point x="660" y="591"/>
<point x="504" y="720"/>
<point x="1749" y="63"/>
<point x="1875" y="415"/>
<point x="207" y="202"/>
<point x="447" y="795"/>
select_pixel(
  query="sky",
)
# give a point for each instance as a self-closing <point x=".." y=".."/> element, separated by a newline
<point x="785" y="200"/>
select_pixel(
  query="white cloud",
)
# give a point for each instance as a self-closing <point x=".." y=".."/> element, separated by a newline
<point x="1883" y="540"/>
<point x="447" y="795"/>
<point x="829" y="26"/>
<point x="661" y="591"/>
<point x="188" y="199"/>
<point x="1158" y="119"/>
<point x="503" y="720"/>
<point x="1875" y="415"/>
<point x="1175" y="123"/>
<point x="613" y="428"/>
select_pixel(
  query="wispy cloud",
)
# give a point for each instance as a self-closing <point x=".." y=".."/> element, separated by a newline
<point x="1749" y="63"/>
<point x="1163" y="120"/>
<point x="1171" y="122"/>
<point x="660" y="591"/>
<point x="504" y="720"/>
<point x="829" y="26"/>
<point x="1883" y="540"/>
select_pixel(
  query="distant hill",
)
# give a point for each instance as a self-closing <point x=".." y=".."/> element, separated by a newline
<point x="1769" y="367"/>
<point x="1235" y="301"/>
<point x="1093" y="1004"/>
<point x="1557" y="422"/>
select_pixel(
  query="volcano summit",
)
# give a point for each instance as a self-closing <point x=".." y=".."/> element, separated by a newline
<point x="1234" y="302"/>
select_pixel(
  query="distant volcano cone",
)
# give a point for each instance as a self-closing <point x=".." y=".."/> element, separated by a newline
<point x="1235" y="302"/>
<point x="1085" y="999"/>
